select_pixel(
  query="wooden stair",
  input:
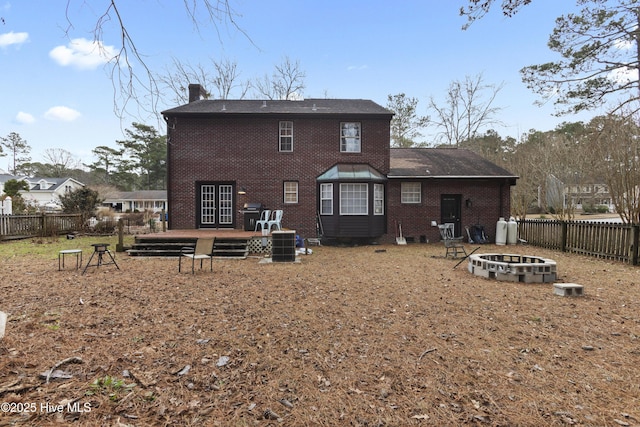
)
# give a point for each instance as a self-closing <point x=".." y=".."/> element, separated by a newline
<point x="224" y="247"/>
<point x="230" y="247"/>
<point x="160" y="247"/>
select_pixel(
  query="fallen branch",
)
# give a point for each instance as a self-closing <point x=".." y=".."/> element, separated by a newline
<point x="15" y="387"/>
<point x="60" y="363"/>
<point x="431" y="350"/>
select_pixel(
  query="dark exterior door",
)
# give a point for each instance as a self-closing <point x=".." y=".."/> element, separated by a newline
<point x="215" y="205"/>
<point x="450" y="208"/>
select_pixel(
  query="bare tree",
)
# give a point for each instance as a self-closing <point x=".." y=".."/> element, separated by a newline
<point x="132" y="80"/>
<point x="286" y="81"/>
<point x="223" y="77"/>
<point x="615" y="145"/>
<point x="61" y="161"/>
<point x="465" y="111"/>
<point x="226" y="80"/>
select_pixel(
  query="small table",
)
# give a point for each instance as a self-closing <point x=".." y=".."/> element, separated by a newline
<point x="61" y="254"/>
<point x="100" y="249"/>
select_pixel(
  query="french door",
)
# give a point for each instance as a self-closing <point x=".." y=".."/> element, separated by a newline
<point x="215" y="205"/>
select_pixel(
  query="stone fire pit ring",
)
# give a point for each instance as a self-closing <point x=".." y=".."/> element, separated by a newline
<point x="513" y="268"/>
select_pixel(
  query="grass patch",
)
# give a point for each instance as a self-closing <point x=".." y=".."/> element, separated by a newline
<point x="49" y="247"/>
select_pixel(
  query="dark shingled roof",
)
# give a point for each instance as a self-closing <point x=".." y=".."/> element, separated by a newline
<point x="307" y="106"/>
<point x="442" y="163"/>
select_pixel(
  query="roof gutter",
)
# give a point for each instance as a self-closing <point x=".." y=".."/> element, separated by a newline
<point x="452" y="176"/>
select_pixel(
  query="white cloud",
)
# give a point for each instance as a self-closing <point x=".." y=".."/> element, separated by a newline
<point x="83" y="54"/>
<point x="24" y="118"/>
<point x="61" y="113"/>
<point x="357" y="67"/>
<point x="8" y="39"/>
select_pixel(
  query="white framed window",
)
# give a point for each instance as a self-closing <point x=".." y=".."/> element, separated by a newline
<point x="378" y="199"/>
<point x="354" y="199"/>
<point x="411" y="192"/>
<point x="350" y="137"/>
<point x="326" y="199"/>
<point x="286" y="136"/>
<point x="291" y="192"/>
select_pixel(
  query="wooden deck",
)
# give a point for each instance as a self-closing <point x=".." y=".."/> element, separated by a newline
<point x="204" y="233"/>
<point x="228" y="242"/>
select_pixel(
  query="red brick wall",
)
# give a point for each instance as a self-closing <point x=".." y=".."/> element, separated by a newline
<point x="244" y="150"/>
<point x="490" y="200"/>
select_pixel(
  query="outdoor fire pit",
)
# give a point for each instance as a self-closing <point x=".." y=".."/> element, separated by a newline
<point x="513" y="268"/>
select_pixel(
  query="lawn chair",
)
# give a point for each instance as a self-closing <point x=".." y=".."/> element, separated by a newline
<point x="475" y="234"/>
<point x="264" y="220"/>
<point x="451" y="243"/>
<point x="202" y="251"/>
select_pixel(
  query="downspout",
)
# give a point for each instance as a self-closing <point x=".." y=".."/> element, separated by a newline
<point x="501" y="206"/>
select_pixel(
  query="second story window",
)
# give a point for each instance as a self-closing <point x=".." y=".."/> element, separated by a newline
<point x="349" y="137"/>
<point x="286" y="136"/>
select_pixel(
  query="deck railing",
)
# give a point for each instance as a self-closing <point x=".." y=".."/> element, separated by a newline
<point x="608" y="240"/>
<point x="43" y="224"/>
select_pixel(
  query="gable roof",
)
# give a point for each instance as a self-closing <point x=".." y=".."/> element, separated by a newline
<point x="35" y="182"/>
<point x="442" y="163"/>
<point x="308" y="106"/>
<point x="51" y="184"/>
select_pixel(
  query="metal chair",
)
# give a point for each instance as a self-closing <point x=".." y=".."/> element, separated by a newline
<point x="276" y="220"/>
<point x="264" y="219"/>
<point x="452" y="243"/>
<point x="203" y="250"/>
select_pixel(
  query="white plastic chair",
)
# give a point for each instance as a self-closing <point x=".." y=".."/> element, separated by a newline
<point x="264" y="219"/>
<point x="276" y="220"/>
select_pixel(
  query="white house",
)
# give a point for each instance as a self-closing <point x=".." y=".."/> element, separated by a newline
<point x="43" y="192"/>
<point x="132" y="201"/>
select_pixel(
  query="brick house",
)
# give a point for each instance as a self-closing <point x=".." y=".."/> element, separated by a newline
<point x="318" y="158"/>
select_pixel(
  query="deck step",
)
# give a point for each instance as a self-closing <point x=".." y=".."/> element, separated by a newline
<point x="227" y="247"/>
<point x="230" y="248"/>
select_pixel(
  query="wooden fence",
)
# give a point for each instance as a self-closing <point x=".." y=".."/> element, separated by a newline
<point x="600" y="239"/>
<point x="21" y="226"/>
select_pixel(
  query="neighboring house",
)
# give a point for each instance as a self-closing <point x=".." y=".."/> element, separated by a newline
<point x="320" y="158"/>
<point x="588" y="196"/>
<point x="44" y="192"/>
<point x="132" y="201"/>
<point x="584" y="195"/>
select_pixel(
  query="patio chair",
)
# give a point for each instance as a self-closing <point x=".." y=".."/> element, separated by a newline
<point x="264" y="219"/>
<point x="451" y="243"/>
<point x="276" y="220"/>
<point x="203" y="250"/>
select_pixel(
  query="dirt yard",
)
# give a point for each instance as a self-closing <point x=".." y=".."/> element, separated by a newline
<point x="363" y="336"/>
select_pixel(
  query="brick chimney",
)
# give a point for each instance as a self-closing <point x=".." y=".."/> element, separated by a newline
<point x="196" y="92"/>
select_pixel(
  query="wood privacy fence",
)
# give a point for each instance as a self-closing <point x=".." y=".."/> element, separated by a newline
<point x="609" y="240"/>
<point x="43" y="224"/>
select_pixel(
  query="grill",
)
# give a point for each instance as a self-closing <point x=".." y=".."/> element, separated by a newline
<point x="251" y="212"/>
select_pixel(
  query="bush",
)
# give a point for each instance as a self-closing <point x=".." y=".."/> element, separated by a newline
<point x="105" y="227"/>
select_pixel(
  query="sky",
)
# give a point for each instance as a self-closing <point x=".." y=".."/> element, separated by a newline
<point x="56" y="89"/>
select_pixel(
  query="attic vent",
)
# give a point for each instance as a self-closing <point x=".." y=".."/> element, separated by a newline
<point x="264" y="104"/>
<point x="224" y="108"/>
<point x="314" y="108"/>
